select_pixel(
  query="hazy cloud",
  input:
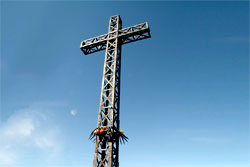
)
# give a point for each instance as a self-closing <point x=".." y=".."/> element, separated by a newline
<point x="73" y="112"/>
<point x="6" y="157"/>
<point x="201" y="136"/>
<point x="210" y="139"/>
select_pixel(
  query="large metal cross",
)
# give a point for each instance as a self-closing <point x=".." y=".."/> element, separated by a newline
<point x="107" y="132"/>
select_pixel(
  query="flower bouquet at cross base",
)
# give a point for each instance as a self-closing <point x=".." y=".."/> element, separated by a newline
<point x="108" y="132"/>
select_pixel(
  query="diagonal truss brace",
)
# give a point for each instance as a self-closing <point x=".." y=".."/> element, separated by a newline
<point x="126" y="35"/>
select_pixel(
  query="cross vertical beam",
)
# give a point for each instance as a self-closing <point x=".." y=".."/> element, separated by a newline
<point x="107" y="144"/>
<point x="106" y="150"/>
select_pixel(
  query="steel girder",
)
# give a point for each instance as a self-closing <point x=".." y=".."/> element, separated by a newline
<point x="126" y="35"/>
<point x="107" y="148"/>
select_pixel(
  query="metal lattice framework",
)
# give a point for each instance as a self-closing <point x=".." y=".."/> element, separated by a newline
<point x="107" y="147"/>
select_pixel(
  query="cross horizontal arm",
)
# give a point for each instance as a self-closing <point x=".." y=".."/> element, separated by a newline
<point x="134" y="33"/>
<point x="94" y="44"/>
<point x="126" y="35"/>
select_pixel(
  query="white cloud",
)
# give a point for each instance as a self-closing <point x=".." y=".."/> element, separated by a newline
<point x="19" y="128"/>
<point x="25" y="131"/>
<point x="73" y="112"/>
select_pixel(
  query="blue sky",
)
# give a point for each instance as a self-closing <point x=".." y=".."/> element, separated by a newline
<point x="184" y="92"/>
